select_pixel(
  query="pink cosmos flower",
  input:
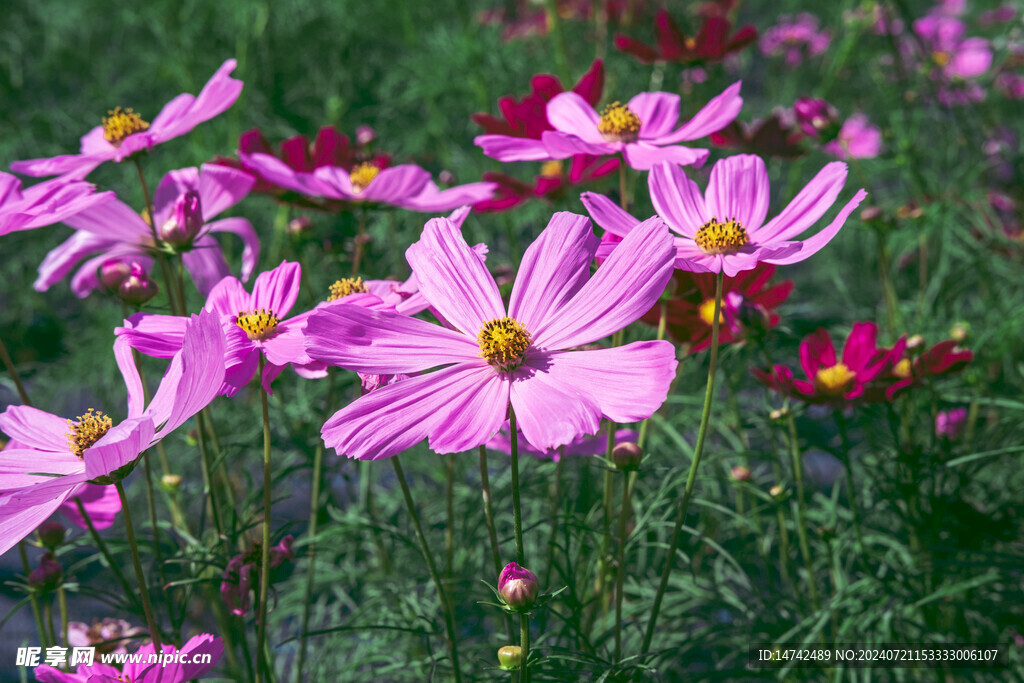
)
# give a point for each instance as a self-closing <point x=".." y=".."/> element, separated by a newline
<point x="57" y="457"/>
<point x="954" y="56"/>
<point x="108" y="635"/>
<point x="183" y="205"/>
<point x="795" y="37"/>
<point x="950" y="423"/>
<point x="203" y="648"/>
<point x="406" y="186"/>
<point x="584" y="445"/>
<point x="858" y="138"/>
<point x="832" y="381"/>
<point x="241" y="576"/>
<point x="495" y="355"/>
<point x="125" y="133"/>
<point x="643" y="130"/>
<point x="725" y="230"/>
<point x="45" y="203"/>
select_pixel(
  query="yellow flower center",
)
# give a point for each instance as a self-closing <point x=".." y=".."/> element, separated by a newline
<point x="618" y="123"/>
<point x="503" y="342"/>
<point x="258" y="324"/>
<point x="362" y="175"/>
<point x="551" y="169"/>
<point x="724" y="237"/>
<point x="87" y="430"/>
<point x="902" y="369"/>
<point x="833" y="381"/>
<point x="941" y="58"/>
<point x="347" y="285"/>
<point x="120" y="123"/>
<point x="706" y="311"/>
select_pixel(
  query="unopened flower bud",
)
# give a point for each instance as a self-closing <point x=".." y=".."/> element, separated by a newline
<point x="446" y="177"/>
<point x="137" y="288"/>
<point x="510" y="657"/>
<point x="300" y="225"/>
<point x="627" y="455"/>
<point x="47" y="576"/>
<point x="170" y="482"/>
<point x="113" y="273"/>
<point x="185" y="222"/>
<point x="777" y="491"/>
<point x="915" y="342"/>
<point x="740" y="473"/>
<point x="817" y="118"/>
<point x="51" y="534"/>
<point x="871" y="213"/>
<point x="960" y="332"/>
<point x="950" y="423"/>
<point x="778" y="414"/>
<point x="518" y="587"/>
<point x="365" y="135"/>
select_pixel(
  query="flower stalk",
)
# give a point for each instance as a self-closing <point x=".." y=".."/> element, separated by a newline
<point x="263" y="671"/>
<point x="133" y="546"/>
<point x="517" y="521"/>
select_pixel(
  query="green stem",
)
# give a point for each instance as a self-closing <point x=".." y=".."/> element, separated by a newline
<point x="32" y="597"/>
<point x="147" y="607"/>
<point x="157" y="551"/>
<point x="263" y="668"/>
<point x="517" y="521"/>
<point x="208" y="483"/>
<point x="620" y="573"/>
<point x="691" y="478"/>
<point x="48" y="617"/>
<point x="102" y="547"/>
<point x="449" y="496"/>
<point x="662" y="325"/>
<point x="524" y="640"/>
<point x="556" y="504"/>
<point x="62" y="602"/>
<point x="442" y="595"/>
<point x="9" y="364"/>
<point x="357" y="254"/>
<point x="492" y="531"/>
<point x="851" y="487"/>
<point x="801" y="512"/>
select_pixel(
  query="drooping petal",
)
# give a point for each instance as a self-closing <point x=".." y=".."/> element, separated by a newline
<point x="275" y="171"/>
<point x="625" y="287"/>
<point x="463" y="404"/>
<point x="453" y="278"/>
<point x="554" y="268"/>
<point x="431" y="199"/>
<point x="608" y="214"/>
<point x="643" y="156"/>
<point x="22" y="511"/>
<point x="559" y="145"/>
<point x="276" y="290"/>
<point x="61" y="260"/>
<point x="658" y="113"/>
<point x="677" y="199"/>
<point x="101" y="504"/>
<point x="569" y="113"/>
<point x="738" y="188"/>
<point x="396" y="184"/>
<point x="121" y="445"/>
<point x="221" y="187"/>
<point x="713" y="117"/>
<point x="154" y="335"/>
<point x="130" y="372"/>
<point x="381" y="342"/>
<point x="34" y="428"/>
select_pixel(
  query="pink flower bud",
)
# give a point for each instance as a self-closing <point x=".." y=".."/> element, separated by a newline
<point x="627" y="456"/>
<point x="365" y="135"/>
<point x="137" y="288"/>
<point x="817" y="118"/>
<point x="518" y="587"/>
<point x="740" y="473"/>
<point x="51" y="534"/>
<point x="185" y="222"/>
<point x="47" y="576"/>
<point x="113" y="273"/>
<point x="299" y="225"/>
<point x="950" y="423"/>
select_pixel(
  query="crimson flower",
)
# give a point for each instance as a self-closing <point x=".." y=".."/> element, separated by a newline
<point x="711" y="43"/>
<point x="552" y="184"/>
<point x="909" y="371"/>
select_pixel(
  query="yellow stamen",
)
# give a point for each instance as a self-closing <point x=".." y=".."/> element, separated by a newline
<point x="619" y="123"/>
<point x="725" y="237"/>
<point x="347" y="285"/>
<point x="258" y="324"/>
<point x="551" y="169"/>
<point x="706" y="311"/>
<point x="902" y="369"/>
<point x="834" y="381"/>
<point x="120" y="123"/>
<point x="362" y="175"/>
<point x="941" y="58"/>
<point x="87" y="430"/>
<point x="503" y="342"/>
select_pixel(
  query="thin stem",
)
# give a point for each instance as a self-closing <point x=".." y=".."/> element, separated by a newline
<point x="691" y="478"/>
<point x="263" y="664"/>
<point x="492" y="531"/>
<point x="102" y="547"/>
<point x="801" y="520"/>
<point x="449" y="533"/>
<point x="449" y="620"/>
<point x="623" y="202"/>
<point x="851" y="487"/>
<point x="524" y="640"/>
<point x="357" y="254"/>
<point x="517" y="521"/>
<point x="627" y="490"/>
<point x="556" y="504"/>
<point x="48" y="618"/>
<point x="9" y="364"/>
<point x="33" y="598"/>
<point x="157" y="551"/>
<point x="208" y="483"/>
<point x="662" y="326"/>
<point x="177" y="308"/>
<point x="62" y="602"/>
<point x="147" y="607"/>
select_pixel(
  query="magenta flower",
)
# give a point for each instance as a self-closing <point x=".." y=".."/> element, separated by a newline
<point x="183" y="205"/>
<point x="45" y="203"/>
<point x="205" y="650"/>
<point x="57" y="457"/>
<point x="954" y="56"/>
<point x="643" y="130"/>
<point x="518" y="587"/>
<point x="796" y="38"/>
<point x="950" y="423"/>
<point x="725" y="230"/>
<point x="101" y="633"/>
<point x="407" y="185"/>
<point x="858" y="138"/>
<point x="125" y="133"/>
<point x="497" y="355"/>
<point x="242" y="574"/>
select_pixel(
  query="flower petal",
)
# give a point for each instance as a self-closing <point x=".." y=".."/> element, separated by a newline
<point x="396" y="184"/>
<point x="677" y="199"/>
<point x="101" y="504"/>
<point x="738" y="188"/>
<point x="713" y="117"/>
<point x="561" y="145"/>
<point x="221" y="187"/>
<point x="121" y="445"/>
<point x="250" y="242"/>
<point x="816" y="352"/>
<point x="508" y="148"/>
<point x="34" y="428"/>
<point x="153" y="334"/>
<point x="277" y="289"/>
<point x="658" y="113"/>
<point x="569" y="113"/>
<point x="807" y="207"/>
<point x="608" y="214"/>
<point x="812" y="245"/>
<point x="643" y="156"/>
<point x="861" y="347"/>
<point x="205" y="263"/>
<point x="21" y="512"/>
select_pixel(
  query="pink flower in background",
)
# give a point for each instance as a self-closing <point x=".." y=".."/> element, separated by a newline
<point x="584" y="445"/>
<point x="495" y="355"/>
<point x="101" y="633"/>
<point x="817" y="118"/>
<point x="725" y="230"/>
<point x="241" y="576"/>
<point x="954" y="56"/>
<point x="950" y="423"/>
<point x="795" y="38"/>
<point x="124" y="132"/>
<point x="170" y="671"/>
<point x="183" y="205"/>
<point x="643" y="130"/>
<point x="56" y="457"/>
<point x="1000" y="15"/>
<point x="45" y="203"/>
<point x="858" y="138"/>
<point x="1011" y="85"/>
<point x="101" y="503"/>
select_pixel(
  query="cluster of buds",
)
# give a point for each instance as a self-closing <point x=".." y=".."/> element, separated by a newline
<point x="817" y="118"/>
<point x="127" y="281"/>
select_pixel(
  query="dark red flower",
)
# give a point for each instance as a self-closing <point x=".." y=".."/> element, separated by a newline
<point x="712" y="42"/>
<point x="748" y="305"/>
<point x="773" y="136"/>
<point x="909" y="371"/>
<point x="552" y="183"/>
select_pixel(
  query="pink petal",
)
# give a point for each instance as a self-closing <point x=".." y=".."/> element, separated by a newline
<point x="453" y="278"/>
<point x="172" y="186"/>
<point x="221" y="187"/>
<point x="35" y="429"/>
<point x="121" y="445"/>
<point x="206" y="264"/>
<point x="113" y="221"/>
<point x="431" y="199"/>
<point x="381" y="342"/>
<point x="458" y="407"/>
<point x="561" y="145"/>
<point x="643" y="156"/>
<point x="76" y="165"/>
<point x="396" y="184"/>
<point x="861" y="346"/>
<point x="507" y="148"/>
<point x="286" y="345"/>
<point x="553" y="269"/>
<point x="812" y="245"/>
<point x="549" y="412"/>
<point x="713" y="117"/>
<point x="277" y="172"/>
<point x="677" y="199"/>
<point x="625" y="287"/>
<point x="608" y="214"/>
<point x="219" y="93"/>
<point x="21" y="512"/>
<point x="816" y="352"/>
<point x="154" y="335"/>
<point x="277" y="290"/>
<point x="62" y="259"/>
<point x="125" y="357"/>
<point x="250" y="242"/>
<point x="807" y="207"/>
<point x="738" y="188"/>
<point x="658" y="113"/>
<point x="569" y="113"/>
<point x="229" y="298"/>
<point x="101" y="504"/>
